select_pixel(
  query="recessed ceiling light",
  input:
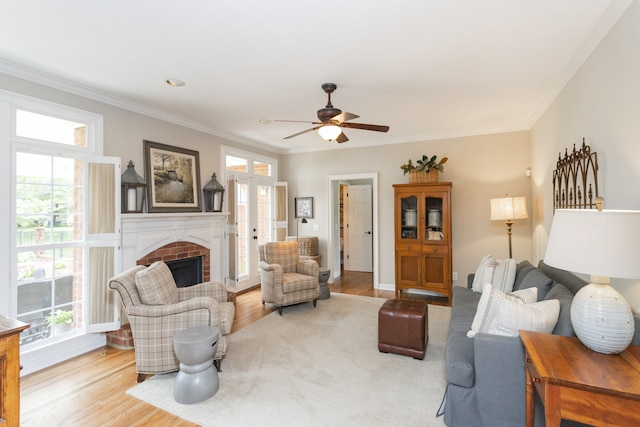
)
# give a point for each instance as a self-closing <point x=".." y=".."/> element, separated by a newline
<point x="264" y="121"/>
<point x="175" y="82"/>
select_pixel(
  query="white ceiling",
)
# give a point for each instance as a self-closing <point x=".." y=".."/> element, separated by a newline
<point x="427" y="68"/>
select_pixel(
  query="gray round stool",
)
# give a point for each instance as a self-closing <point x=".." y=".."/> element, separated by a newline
<point x="197" y="379"/>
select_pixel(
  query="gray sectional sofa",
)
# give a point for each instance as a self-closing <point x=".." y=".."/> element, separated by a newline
<point x="486" y="374"/>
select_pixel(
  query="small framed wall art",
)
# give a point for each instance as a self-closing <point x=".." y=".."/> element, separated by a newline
<point x="304" y="207"/>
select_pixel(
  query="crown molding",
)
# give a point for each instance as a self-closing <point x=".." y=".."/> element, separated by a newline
<point x="75" y="88"/>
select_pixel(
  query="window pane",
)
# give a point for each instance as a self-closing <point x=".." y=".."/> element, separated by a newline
<point x="48" y="202"/>
<point x="46" y="128"/>
<point x="48" y="231"/>
<point x="47" y="284"/>
<point x="237" y="164"/>
<point x="261" y="168"/>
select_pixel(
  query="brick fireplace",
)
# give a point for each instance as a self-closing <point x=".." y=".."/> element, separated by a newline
<point x="151" y="237"/>
<point x="179" y="251"/>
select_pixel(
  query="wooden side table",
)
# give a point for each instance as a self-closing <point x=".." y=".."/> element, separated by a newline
<point x="579" y="384"/>
<point x="10" y="371"/>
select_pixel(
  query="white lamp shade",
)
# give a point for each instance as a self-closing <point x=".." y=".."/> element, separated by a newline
<point x="509" y="208"/>
<point x="598" y="243"/>
<point x="329" y="132"/>
<point x="602" y="244"/>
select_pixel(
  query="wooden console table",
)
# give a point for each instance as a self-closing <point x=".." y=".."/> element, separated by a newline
<point x="579" y="384"/>
<point x="10" y="371"/>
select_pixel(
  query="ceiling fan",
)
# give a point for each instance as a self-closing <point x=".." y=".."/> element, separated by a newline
<point x="332" y="120"/>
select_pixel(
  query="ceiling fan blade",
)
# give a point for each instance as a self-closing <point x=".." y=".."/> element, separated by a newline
<point x="300" y="133"/>
<point x="298" y="121"/>
<point x="363" y="126"/>
<point x="343" y="117"/>
<point x="342" y="138"/>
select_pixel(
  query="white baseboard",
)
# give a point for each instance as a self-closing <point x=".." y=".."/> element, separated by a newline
<point x="43" y="357"/>
<point x="386" y="286"/>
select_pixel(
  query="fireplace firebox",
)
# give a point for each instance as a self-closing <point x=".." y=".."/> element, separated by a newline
<point x="186" y="271"/>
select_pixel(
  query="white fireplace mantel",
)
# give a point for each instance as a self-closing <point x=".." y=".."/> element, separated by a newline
<point x="144" y="233"/>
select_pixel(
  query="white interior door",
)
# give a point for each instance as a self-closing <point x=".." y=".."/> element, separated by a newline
<point x="359" y="243"/>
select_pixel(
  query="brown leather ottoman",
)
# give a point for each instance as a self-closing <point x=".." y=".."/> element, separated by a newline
<point x="403" y="327"/>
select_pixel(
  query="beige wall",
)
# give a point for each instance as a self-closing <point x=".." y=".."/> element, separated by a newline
<point x="480" y="167"/>
<point x="602" y="104"/>
<point x="125" y="130"/>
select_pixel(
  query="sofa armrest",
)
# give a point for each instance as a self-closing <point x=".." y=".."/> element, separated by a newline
<point x="500" y="378"/>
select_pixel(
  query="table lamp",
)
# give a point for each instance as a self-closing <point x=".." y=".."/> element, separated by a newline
<point x="603" y="244"/>
<point x="509" y="209"/>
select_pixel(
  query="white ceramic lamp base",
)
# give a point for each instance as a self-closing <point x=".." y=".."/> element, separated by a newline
<point x="602" y="318"/>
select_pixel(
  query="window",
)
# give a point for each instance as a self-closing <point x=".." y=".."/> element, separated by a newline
<point x="61" y="217"/>
<point x="49" y="230"/>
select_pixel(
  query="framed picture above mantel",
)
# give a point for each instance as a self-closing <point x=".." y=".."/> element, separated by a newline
<point x="173" y="178"/>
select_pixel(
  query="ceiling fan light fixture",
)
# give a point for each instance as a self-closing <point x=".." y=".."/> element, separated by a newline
<point x="329" y="132"/>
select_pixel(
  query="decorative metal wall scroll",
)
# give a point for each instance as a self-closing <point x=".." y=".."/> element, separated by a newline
<point x="575" y="179"/>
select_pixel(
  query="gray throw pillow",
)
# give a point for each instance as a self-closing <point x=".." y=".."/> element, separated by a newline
<point x="536" y="279"/>
<point x="565" y="297"/>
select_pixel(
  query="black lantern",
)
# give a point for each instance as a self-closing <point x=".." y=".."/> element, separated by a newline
<point x="213" y="195"/>
<point x="134" y="190"/>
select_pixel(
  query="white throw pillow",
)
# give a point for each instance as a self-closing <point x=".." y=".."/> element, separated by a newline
<point x="156" y="285"/>
<point x="507" y="317"/>
<point x="522" y="296"/>
<point x="500" y="273"/>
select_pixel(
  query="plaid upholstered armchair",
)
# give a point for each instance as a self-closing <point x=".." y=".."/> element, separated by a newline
<point x="157" y="310"/>
<point x="285" y="279"/>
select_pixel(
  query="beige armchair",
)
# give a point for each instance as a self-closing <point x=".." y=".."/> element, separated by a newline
<point x="157" y="310"/>
<point x="285" y="279"/>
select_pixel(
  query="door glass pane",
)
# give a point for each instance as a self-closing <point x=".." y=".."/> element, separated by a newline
<point x="242" y="208"/>
<point x="47" y="128"/>
<point x="409" y="206"/>
<point x="265" y="220"/>
<point x="433" y="206"/>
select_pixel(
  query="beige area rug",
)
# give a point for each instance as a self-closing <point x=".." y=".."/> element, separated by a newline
<point x="318" y="367"/>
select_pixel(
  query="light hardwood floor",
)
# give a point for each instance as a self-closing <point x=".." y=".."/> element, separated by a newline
<point x="90" y="390"/>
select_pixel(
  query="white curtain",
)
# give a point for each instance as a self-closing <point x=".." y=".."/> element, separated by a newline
<point x="102" y="211"/>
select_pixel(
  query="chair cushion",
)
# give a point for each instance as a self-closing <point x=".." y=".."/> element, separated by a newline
<point x="294" y="282"/>
<point x="156" y="285"/>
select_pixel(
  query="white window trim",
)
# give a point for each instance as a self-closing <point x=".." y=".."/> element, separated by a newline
<point x="9" y="101"/>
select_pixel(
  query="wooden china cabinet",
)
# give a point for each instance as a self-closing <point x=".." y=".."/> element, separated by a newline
<point x="423" y="239"/>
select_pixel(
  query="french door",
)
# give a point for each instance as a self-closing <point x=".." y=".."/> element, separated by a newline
<point x="254" y="218"/>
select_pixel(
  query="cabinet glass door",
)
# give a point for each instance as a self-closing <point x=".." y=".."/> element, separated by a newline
<point x="434" y="225"/>
<point x="409" y="217"/>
